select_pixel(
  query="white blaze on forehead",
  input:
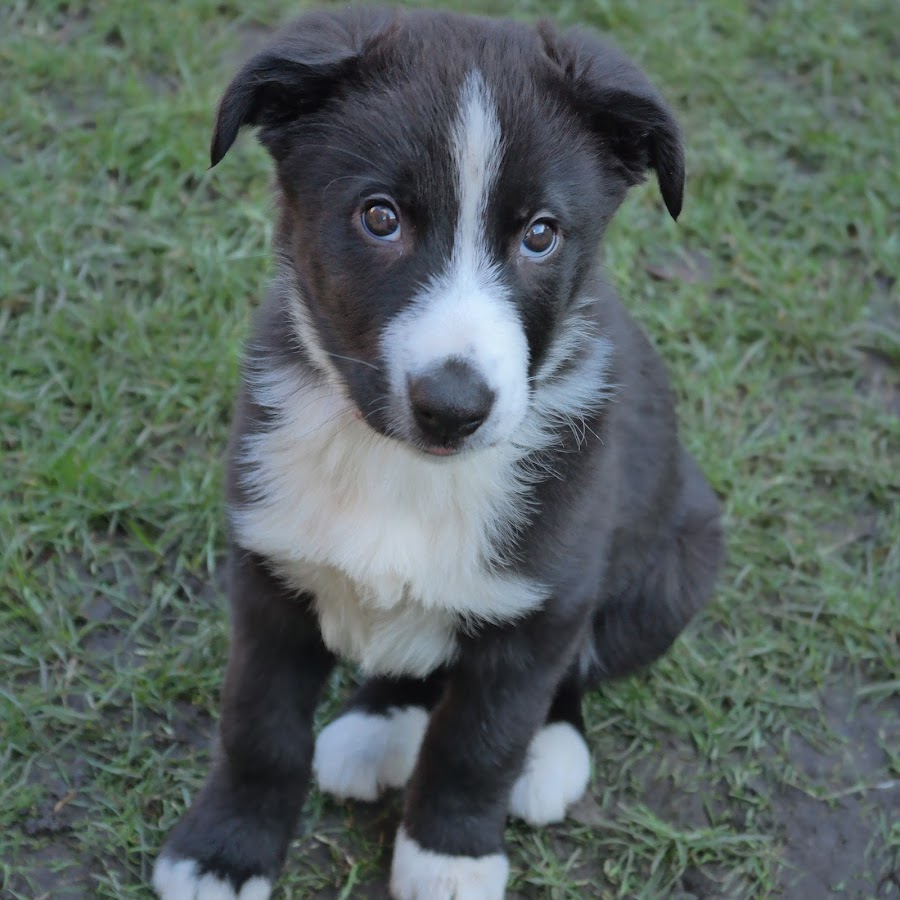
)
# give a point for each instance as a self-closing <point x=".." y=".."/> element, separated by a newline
<point x="465" y="310"/>
<point x="476" y="156"/>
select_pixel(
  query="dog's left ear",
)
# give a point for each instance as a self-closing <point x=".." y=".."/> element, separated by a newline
<point x="295" y="75"/>
<point x="622" y="108"/>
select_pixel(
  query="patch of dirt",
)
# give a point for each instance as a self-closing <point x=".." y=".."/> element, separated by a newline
<point x="880" y="380"/>
<point x="827" y="809"/>
<point x="55" y="867"/>
<point x="830" y="823"/>
<point x="55" y="873"/>
<point x="53" y="861"/>
<point x="343" y="836"/>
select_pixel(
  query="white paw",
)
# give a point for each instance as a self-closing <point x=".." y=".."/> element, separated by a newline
<point x="359" y="755"/>
<point x="418" y="874"/>
<point x="179" y="879"/>
<point x="556" y="774"/>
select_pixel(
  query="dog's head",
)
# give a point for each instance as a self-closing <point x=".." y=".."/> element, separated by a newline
<point x="445" y="182"/>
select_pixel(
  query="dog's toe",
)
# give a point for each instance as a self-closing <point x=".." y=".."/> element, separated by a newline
<point x="556" y="774"/>
<point x="359" y="755"/>
<point x="181" y="879"/>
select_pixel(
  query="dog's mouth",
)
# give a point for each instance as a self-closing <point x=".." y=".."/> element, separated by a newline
<point x="440" y="451"/>
<point x="431" y="449"/>
<point x="404" y="434"/>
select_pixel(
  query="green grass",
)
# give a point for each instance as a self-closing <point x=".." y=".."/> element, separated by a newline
<point x="127" y="273"/>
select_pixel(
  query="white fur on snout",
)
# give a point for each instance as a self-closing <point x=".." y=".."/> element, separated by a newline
<point x="465" y="311"/>
<point x="180" y="879"/>
<point x="359" y="755"/>
<point x="462" y="319"/>
<point x="419" y="874"/>
<point x="556" y="774"/>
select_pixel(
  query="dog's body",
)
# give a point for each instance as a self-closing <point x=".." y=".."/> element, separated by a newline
<point x="455" y="459"/>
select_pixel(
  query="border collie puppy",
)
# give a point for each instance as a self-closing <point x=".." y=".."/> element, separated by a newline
<point x="455" y="459"/>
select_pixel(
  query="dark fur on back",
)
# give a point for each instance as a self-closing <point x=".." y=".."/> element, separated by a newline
<point x="484" y="573"/>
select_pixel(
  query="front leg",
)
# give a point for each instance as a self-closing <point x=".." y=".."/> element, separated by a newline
<point x="232" y="841"/>
<point x="450" y="845"/>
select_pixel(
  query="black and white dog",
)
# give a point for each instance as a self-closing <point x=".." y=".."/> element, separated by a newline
<point x="455" y="458"/>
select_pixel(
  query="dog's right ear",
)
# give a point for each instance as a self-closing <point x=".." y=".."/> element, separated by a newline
<point x="295" y="74"/>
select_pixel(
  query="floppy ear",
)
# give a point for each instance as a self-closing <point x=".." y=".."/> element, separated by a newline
<point x="294" y="76"/>
<point x="623" y="109"/>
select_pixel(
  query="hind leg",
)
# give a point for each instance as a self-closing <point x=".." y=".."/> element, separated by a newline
<point x="558" y="766"/>
<point x="629" y="632"/>
<point x="373" y="744"/>
<point x="635" y="628"/>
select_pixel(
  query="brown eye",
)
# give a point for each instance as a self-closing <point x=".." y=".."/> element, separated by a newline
<point x="380" y="219"/>
<point x="540" y="239"/>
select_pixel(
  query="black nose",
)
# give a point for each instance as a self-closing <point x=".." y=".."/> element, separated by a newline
<point x="450" y="402"/>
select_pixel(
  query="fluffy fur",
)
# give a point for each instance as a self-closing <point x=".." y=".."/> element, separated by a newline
<point x="324" y="488"/>
<point x="419" y="874"/>
<point x="182" y="880"/>
<point x="555" y="775"/>
<point x="359" y="755"/>
<point x="455" y="458"/>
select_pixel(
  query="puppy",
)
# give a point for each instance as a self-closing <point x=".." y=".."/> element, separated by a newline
<point x="455" y="459"/>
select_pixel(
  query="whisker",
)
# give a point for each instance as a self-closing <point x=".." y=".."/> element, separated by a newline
<point x="368" y="162"/>
<point x="362" y="362"/>
<point x="375" y="400"/>
<point x="340" y="178"/>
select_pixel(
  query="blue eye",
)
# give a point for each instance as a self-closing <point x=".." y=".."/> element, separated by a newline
<point x="540" y="239"/>
<point x="380" y="220"/>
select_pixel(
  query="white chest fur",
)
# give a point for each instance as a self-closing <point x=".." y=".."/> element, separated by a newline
<point x="394" y="546"/>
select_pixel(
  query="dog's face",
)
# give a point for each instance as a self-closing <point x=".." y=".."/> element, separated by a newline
<point x="445" y="183"/>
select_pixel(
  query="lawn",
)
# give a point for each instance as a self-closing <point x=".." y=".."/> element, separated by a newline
<point x="761" y="758"/>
